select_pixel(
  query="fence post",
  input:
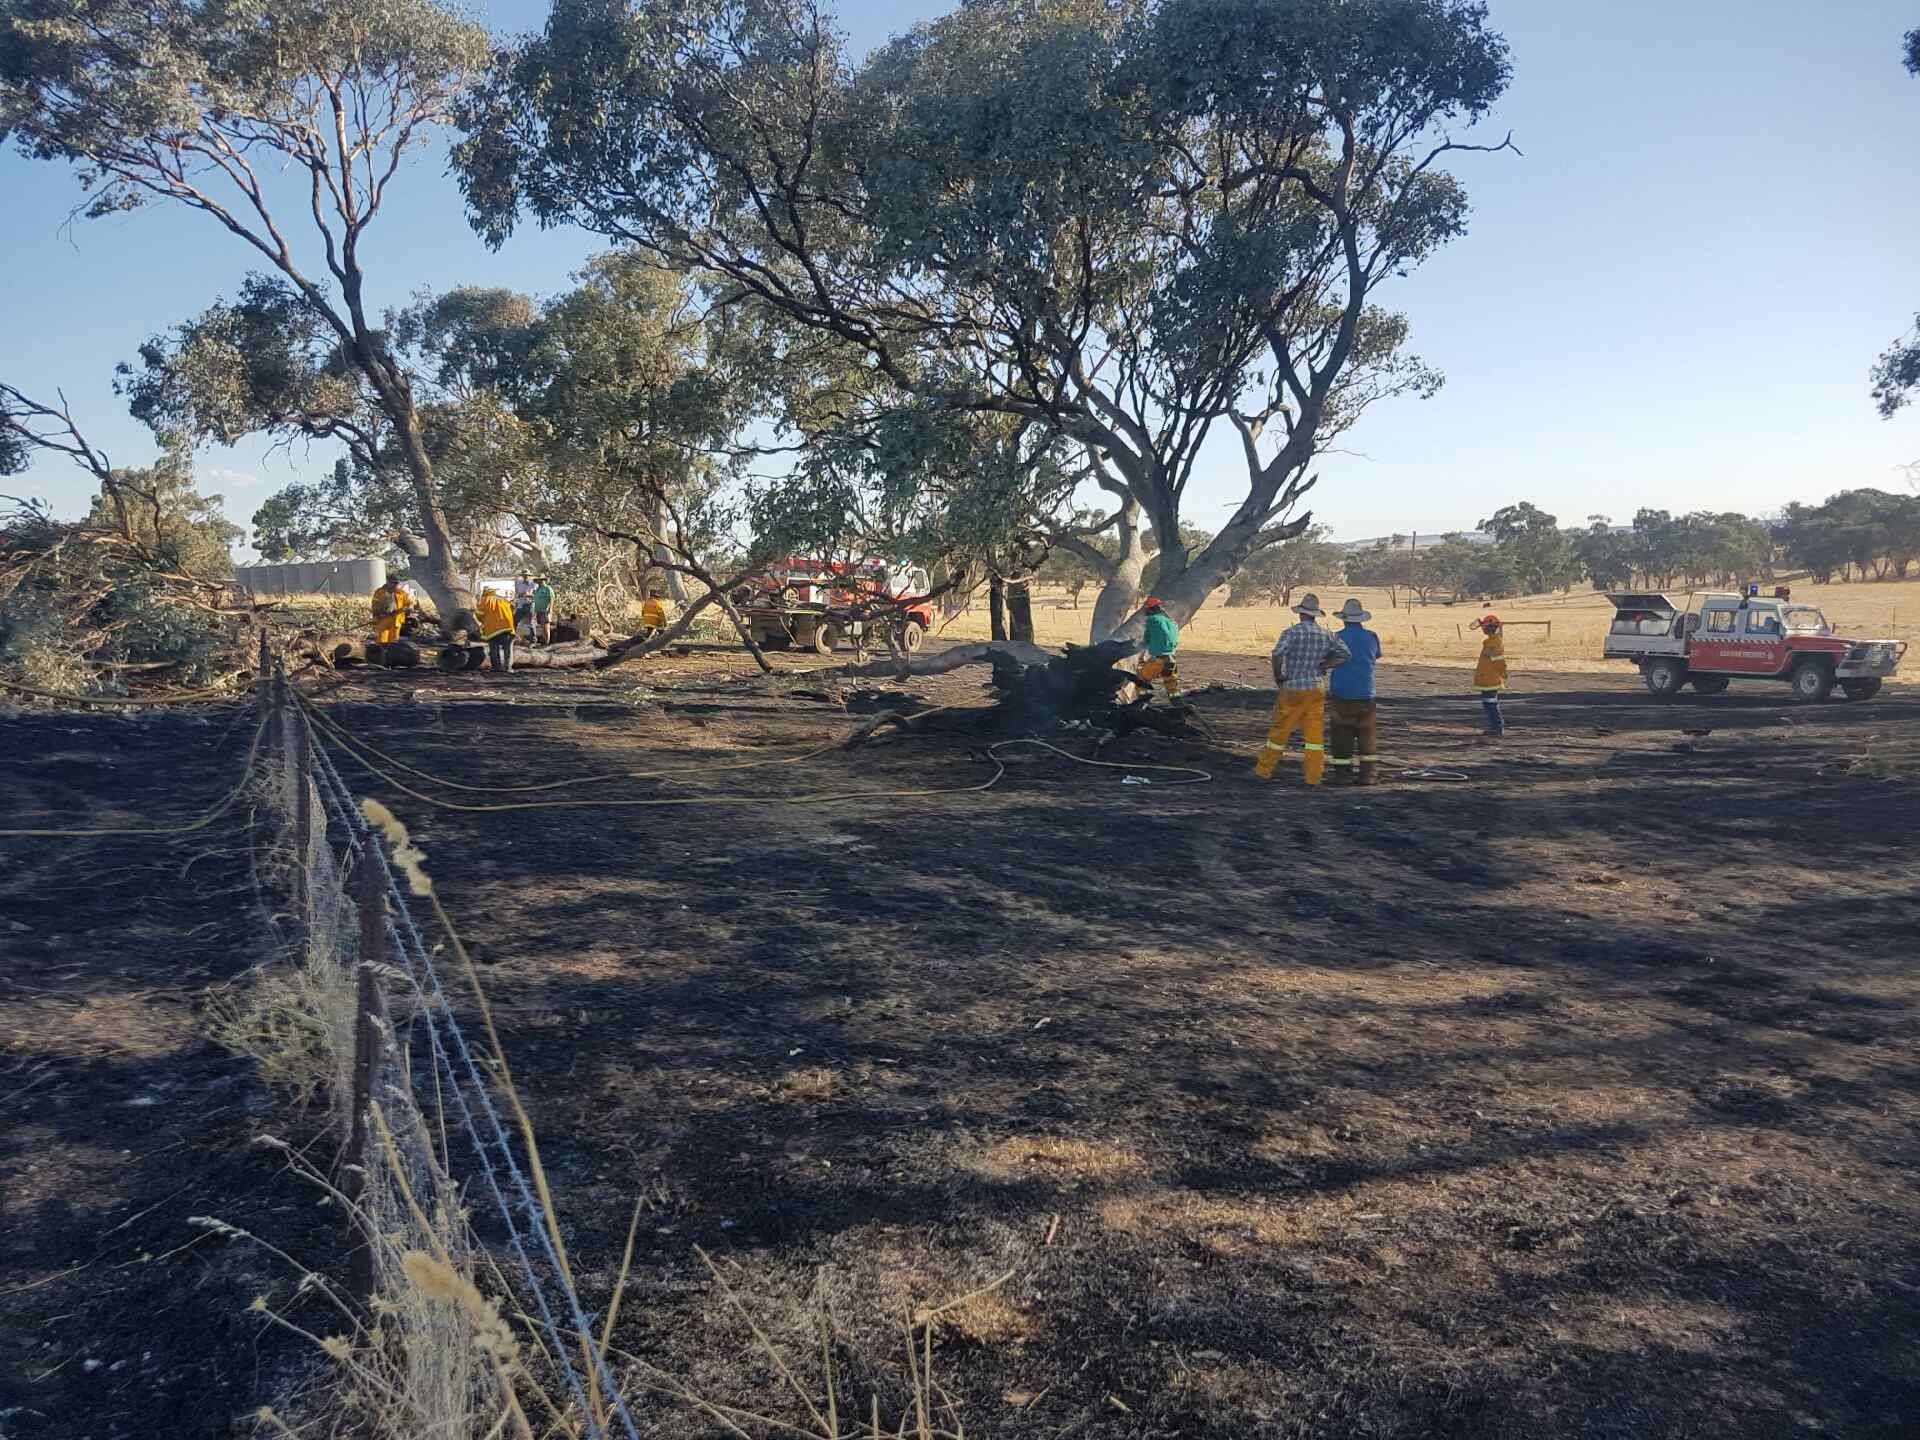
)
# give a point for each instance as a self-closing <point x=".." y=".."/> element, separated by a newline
<point x="262" y="674"/>
<point x="369" y="1046"/>
<point x="303" y="830"/>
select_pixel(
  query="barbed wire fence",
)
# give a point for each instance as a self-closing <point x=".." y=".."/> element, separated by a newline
<point x="389" y="1036"/>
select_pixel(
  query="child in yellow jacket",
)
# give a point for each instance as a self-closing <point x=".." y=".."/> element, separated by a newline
<point x="1490" y="675"/>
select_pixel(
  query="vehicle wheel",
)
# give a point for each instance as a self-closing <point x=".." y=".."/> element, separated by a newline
<point x="825" y="637"/>
<point x="773" y="640"/>
<point x="1664" y="678"/>
<point x="1861" y="689"/>
<point x="1710" y="684"/>
<point x="1812" y="682"/>
<point x="913" y="634"/>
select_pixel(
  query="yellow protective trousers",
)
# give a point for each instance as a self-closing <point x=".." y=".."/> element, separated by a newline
<point x="1161" y="668"/>
<point x="1305" y="711"/>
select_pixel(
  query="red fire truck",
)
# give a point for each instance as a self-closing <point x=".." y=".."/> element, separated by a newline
<point x="1720" y="637"/>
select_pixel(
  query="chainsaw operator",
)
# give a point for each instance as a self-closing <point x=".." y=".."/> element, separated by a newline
<point x="1161" y="640"/>
<point x="390" y="604"/>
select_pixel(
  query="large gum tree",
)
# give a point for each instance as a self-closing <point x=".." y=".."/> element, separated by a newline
<point x="1133" y="225"/>
<point x="286" y="124"/>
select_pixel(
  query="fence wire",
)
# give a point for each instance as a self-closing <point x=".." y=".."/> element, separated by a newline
<point x="327" y="950"/>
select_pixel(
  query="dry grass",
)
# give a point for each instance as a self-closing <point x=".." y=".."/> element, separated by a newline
<point x="1438" y="633"/>
<point x="435" y="1354"/>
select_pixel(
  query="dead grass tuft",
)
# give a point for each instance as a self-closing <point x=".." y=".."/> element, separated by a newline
<point x="1025" y="1157"/>
<point x="809" y="1082"/>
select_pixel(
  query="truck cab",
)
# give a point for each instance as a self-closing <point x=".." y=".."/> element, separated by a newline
<point x="1722" y="637"/>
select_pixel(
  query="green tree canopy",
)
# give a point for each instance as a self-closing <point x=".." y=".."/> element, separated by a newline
<point x="1127" y="224"/>
<point x="284" y="124"/>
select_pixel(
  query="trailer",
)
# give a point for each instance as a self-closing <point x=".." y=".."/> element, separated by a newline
<point x="1720" y="637"/>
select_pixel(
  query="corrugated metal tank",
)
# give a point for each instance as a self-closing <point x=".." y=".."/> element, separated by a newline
<point x="319" y="577"/>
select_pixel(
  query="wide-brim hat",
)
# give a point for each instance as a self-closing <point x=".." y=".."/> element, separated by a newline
<point x="1309" y="605"/>
<point x="1353" y="610"/>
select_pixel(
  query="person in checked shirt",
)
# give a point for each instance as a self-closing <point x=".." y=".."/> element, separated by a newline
<point x="1302" y="657"/>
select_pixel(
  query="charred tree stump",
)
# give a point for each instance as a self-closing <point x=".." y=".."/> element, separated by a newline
<point x="1040" y="693"/>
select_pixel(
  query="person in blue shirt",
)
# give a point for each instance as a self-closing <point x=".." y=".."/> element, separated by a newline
<point x="1350" y="703"/>
<point x="1161" y="638"/>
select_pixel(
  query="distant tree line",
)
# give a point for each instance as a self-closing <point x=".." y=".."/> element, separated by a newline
<point x="1854" y="535"/>
<point x="1522" y="550"/>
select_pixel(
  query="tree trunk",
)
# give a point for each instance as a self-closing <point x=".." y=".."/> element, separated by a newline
<point x="1019" y="611"/>
<point x="996" y="607"/>
<point x="434" y="568"/>
<point x="676" y="582"/>
<point x="452" y="598"/>
<point x="1116" y="599"/>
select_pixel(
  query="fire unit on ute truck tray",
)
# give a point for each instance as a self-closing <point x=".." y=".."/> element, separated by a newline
<point x="1721" y="638"/>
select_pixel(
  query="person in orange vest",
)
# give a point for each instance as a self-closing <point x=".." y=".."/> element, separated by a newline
<point x="495" y="614"/>
<point x="1490" y="674"/>
<point x="390" y="603"/>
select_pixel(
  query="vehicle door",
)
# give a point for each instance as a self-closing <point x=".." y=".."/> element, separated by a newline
<point x="1763" y="649"/>
<point x="1715" y="644"/>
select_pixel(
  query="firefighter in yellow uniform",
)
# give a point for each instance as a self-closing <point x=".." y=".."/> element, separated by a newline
<point x="1301" y="659"/>
<point x="390" y="605"/>
<point x="495" y="614"/>
<point x="1490" y="674"/>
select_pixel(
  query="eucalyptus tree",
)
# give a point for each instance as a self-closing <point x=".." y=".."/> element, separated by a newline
<point x="1133" y="224"/>
<point x="285" y="124"/>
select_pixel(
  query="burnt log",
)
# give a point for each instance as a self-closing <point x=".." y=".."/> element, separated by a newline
<point x="336" y="649"/>
<point x="1081" y="690"/>
<point x="394" y="655"/>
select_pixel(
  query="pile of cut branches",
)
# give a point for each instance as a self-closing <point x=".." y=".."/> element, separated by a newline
<point x="86" y="609"/>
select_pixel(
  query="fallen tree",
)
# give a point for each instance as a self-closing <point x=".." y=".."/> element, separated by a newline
<point x="1039" y="692"/>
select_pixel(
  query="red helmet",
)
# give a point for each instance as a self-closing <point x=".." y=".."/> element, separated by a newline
<point x="1152" y="602"/>
<point x="1489" y="622"/>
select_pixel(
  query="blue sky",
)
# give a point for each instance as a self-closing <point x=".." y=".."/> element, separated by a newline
<point x="1672" y="299"/>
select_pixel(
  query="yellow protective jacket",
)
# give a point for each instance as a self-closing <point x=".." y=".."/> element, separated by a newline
<point x="1491" y="672"/>
<point x="495" y="614"/>
<point x="387" y="625"/>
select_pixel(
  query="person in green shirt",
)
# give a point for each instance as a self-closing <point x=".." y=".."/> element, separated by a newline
<point x="1161" y="640"/>
<point x="542" y="611"/>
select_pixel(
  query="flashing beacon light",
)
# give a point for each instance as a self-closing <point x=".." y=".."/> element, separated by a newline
<point x="1753" y="590"/>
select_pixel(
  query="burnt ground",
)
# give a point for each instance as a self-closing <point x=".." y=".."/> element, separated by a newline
<point x="1574" y="1095"/>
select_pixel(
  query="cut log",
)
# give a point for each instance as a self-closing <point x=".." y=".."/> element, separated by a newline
<point x="558" y="657"/>
<point x="336" y="649"/>
<point x="396" y="655"/>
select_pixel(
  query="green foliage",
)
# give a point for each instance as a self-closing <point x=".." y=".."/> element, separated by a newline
<point x="1867" y="530"/>
<point x="1383" y="566"/>
<point x="1607" y="555"/>
<point x="86" y="602"/>
<point x="1271" y="575"/>
<point x="1119" y="223"/>
<point x="1541" y="557"/>
<point x="179" y="528"/>
<point x="166" y="101"/>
